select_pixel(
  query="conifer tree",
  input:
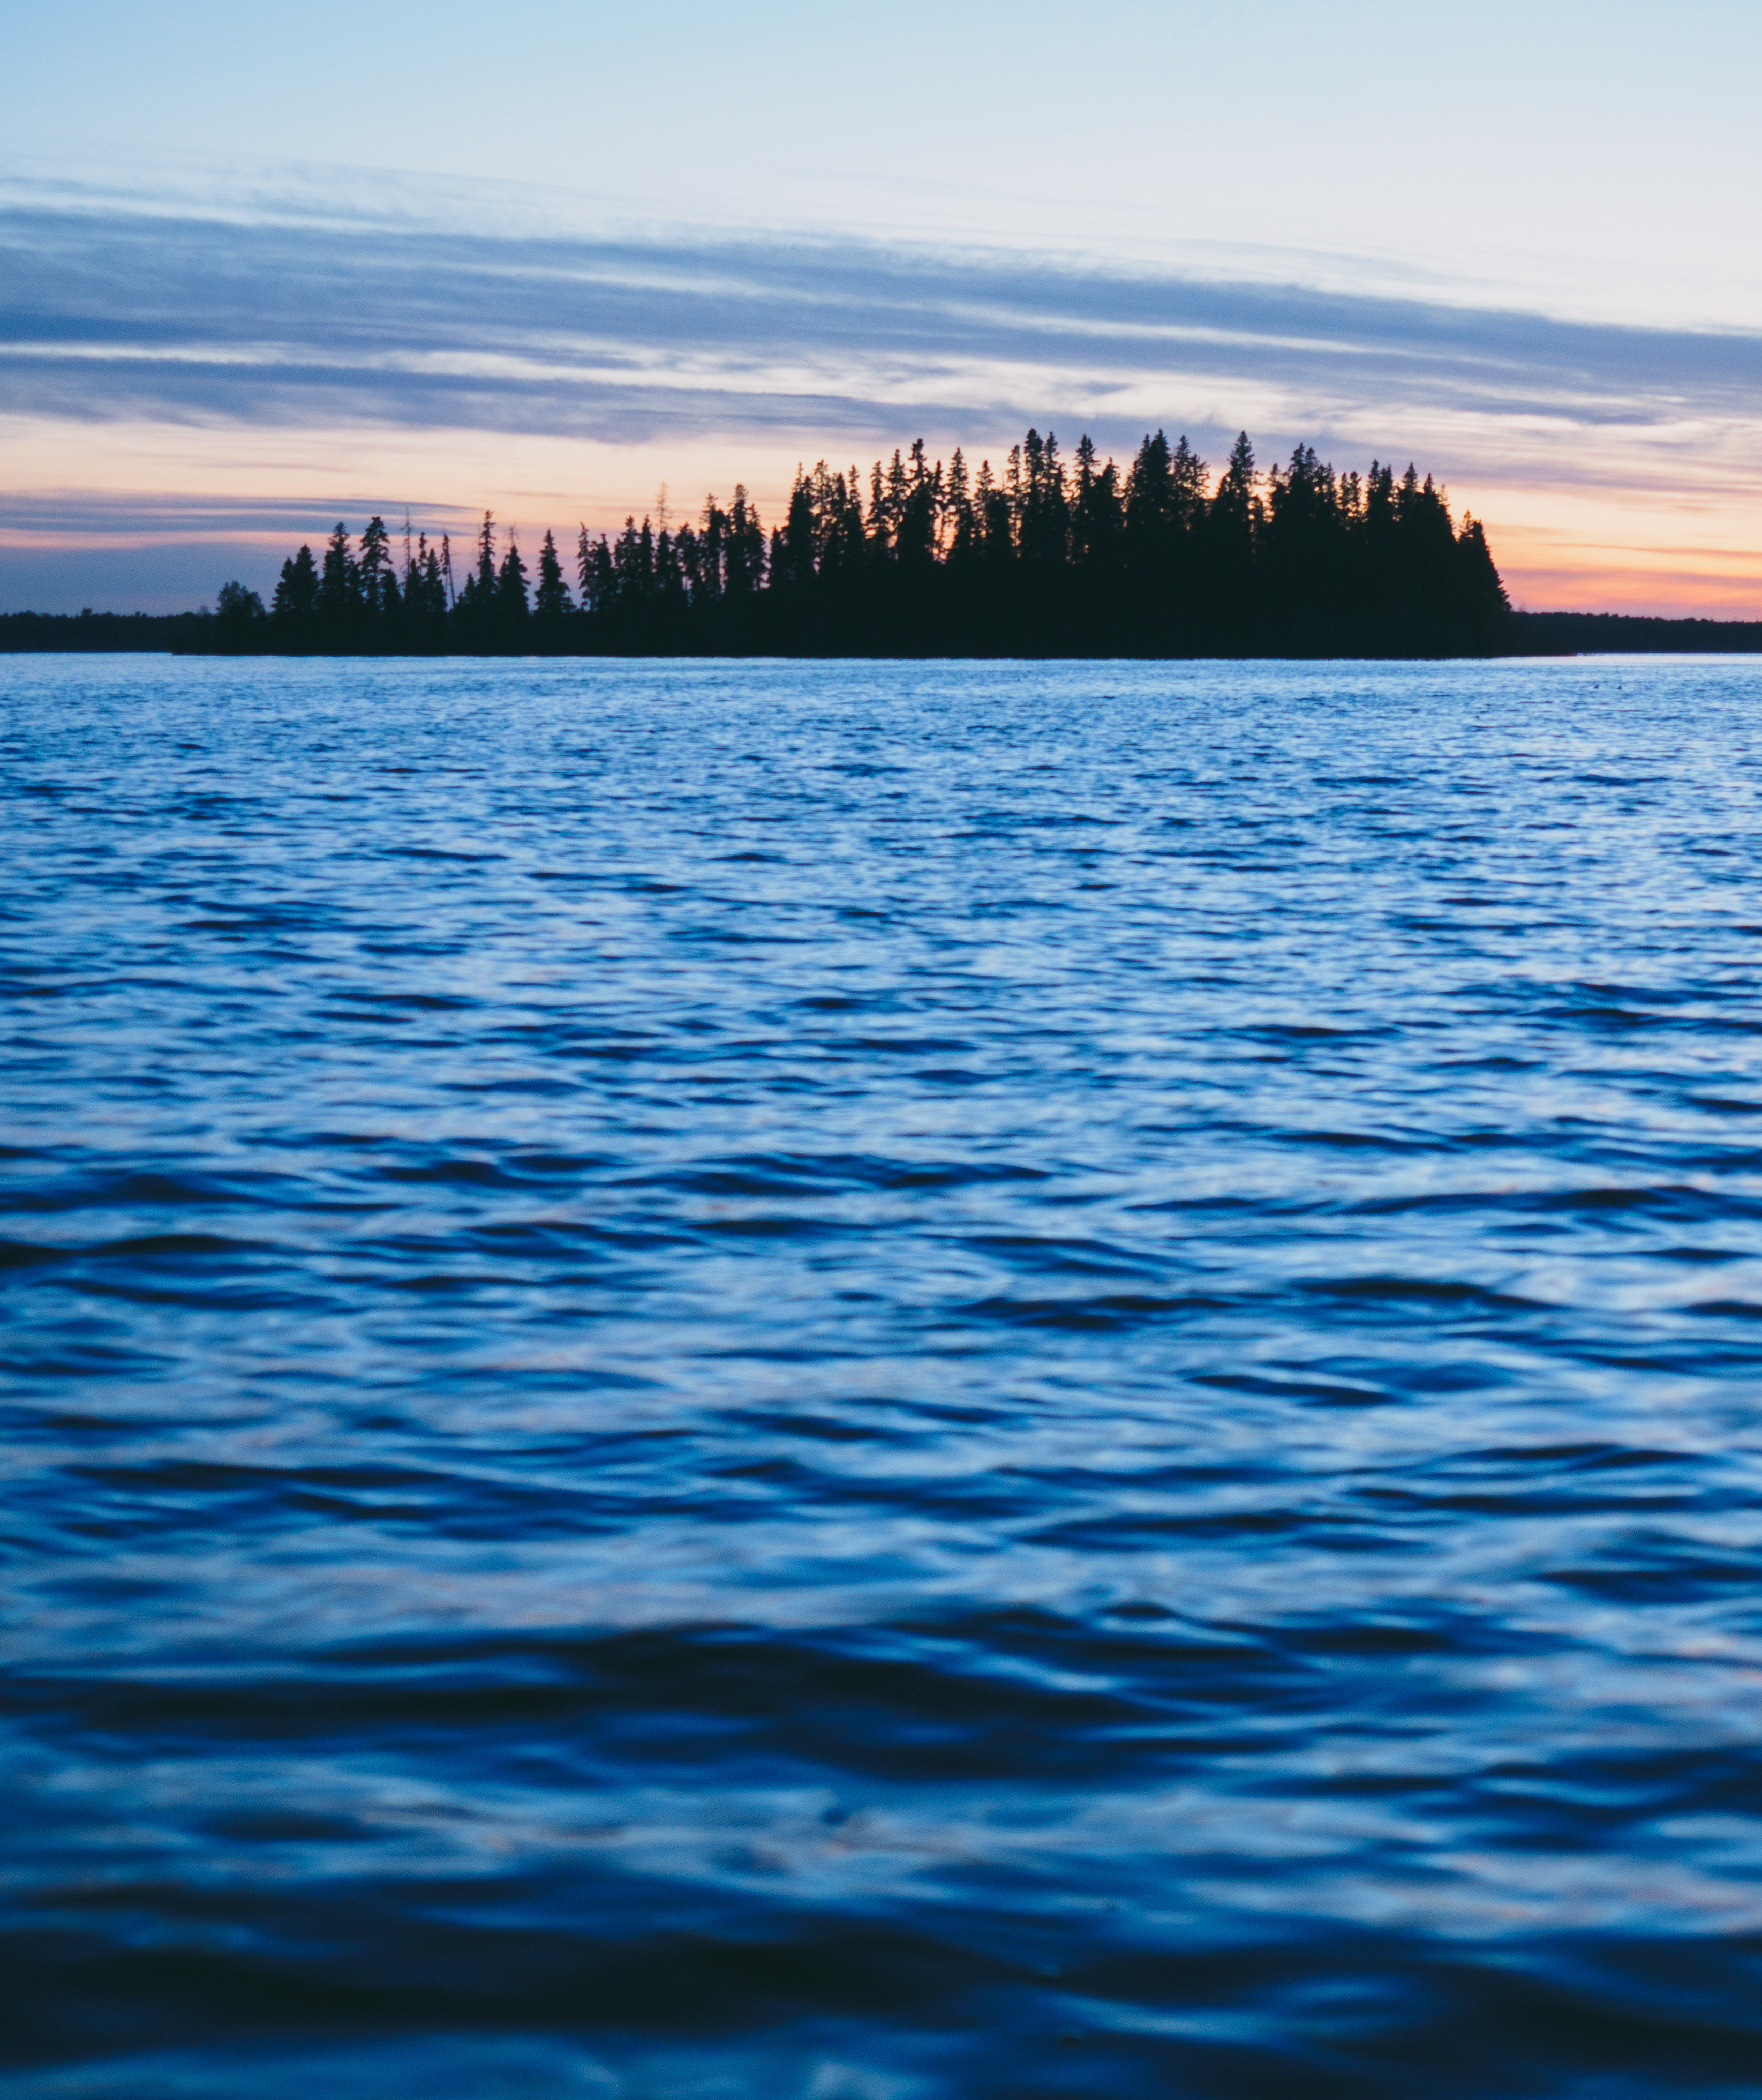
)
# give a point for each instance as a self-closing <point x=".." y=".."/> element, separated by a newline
<point x="594" y="580"/>
<point x="339" y="591"/>
<point x="917" y="511"/>
<point x="427" y="600"/>
<point x="1097" y="529"/>
<point x="957" y="527"/>
<point x="744" y="560"/>
<point x="671" y="603"/>
<point x="378" y="585"/>
<point x="551" y="600"/>
<point x="1236" y="496"/>
<point x="1153" y="543"/>
<point x="794" y="559"/>
<point x="1231" y="525"/>
<point x="511" y="601"/>
<point x="1187" y="484"/>
<point x="1042" y="512"/>
<point x="1481" y="594"/>
<point x="295" y="604"/>
<point x="1151" y="513"/>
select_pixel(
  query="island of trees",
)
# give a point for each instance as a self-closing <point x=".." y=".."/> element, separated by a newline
<point x="1050" y="556"/>
<point x="1053" y="557"/>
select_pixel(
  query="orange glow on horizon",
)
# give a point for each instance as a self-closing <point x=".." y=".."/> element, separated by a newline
<point x="72" y="489"/>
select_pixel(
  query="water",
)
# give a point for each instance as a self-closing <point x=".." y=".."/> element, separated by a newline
<point x="881" y="1381"/>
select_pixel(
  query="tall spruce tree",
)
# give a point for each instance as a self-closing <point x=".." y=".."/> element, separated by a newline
<point x="794" y="561"/>
<point x="1231" y="523"/>
<point x="294" y="608"/>
<point x="744" y="560"/>
<point x="1152" y="546"/>
<point x="338" y="605"/>
<point x="512" y="605"/>
<point x="378" y="581"/>
<point x="550" y="602"/>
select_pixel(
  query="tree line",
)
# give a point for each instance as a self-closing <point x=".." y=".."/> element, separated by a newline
<point x="1049" y="556"/>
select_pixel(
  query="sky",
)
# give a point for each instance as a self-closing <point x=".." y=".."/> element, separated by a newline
<point x="261" y="269"/>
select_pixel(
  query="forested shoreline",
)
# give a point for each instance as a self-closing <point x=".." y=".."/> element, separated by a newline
<point x="1047" y="557"/>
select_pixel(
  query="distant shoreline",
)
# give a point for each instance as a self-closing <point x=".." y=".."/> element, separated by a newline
<point x="1527" y="634"/>
<point x="1050" y="559"/>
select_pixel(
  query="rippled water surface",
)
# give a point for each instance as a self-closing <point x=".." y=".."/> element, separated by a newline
<point x="881" y="1381"/>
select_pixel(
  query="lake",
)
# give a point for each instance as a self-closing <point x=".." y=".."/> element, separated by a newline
<point x="868" y="1382"/>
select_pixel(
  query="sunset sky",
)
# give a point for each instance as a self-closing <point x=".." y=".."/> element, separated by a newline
<point x="265" y="268"/>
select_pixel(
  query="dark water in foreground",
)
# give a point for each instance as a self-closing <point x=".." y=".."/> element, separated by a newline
<point x="870" y="1382"/>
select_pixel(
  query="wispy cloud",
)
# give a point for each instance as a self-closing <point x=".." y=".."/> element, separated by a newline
<point x="110" y="312"/>
<point x="120" y="313"/>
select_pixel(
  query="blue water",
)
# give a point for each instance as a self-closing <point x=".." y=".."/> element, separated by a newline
<point x="873" y="1382"/>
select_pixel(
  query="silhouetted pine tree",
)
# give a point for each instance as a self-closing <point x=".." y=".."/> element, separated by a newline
<point x="378" y="585"/>
<point x="1153" y="544"/>
<point x="1481" y="596"/>
<point x="743" y="552"/>
<point x="1301" y="558"/>
<point x="796" y="546"/>
<point x="1098" y="550"/>
<point x="473" y="622"/>
<point x="1226" y="625"/>
<point x="338" y="603"/>
<point x="513" y="608"/>
<point x="294" y="608"/>
<point x="550" y="600"/>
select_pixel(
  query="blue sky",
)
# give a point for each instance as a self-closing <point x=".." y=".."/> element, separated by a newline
<point x="261" y="269"/>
